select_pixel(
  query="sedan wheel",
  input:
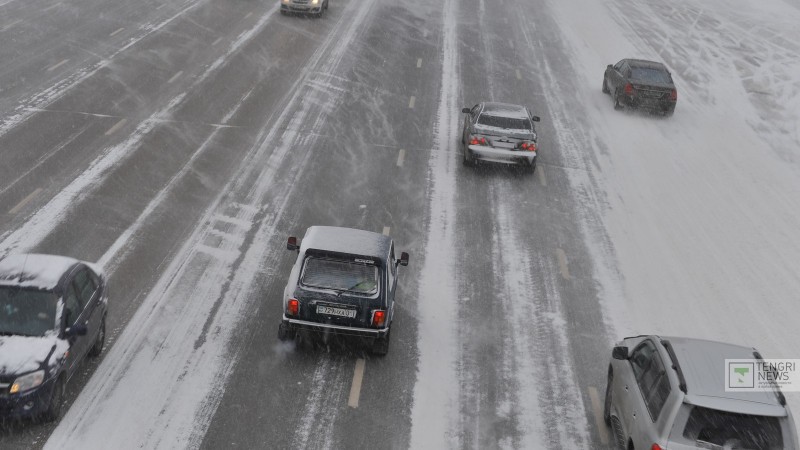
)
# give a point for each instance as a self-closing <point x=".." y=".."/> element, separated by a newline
<point x="617" y="104"/>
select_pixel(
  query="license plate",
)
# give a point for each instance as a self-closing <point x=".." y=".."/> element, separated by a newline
<point x="327" y="310"/>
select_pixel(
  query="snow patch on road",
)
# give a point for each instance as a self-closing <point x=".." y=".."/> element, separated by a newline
<point x="435" y="412"/>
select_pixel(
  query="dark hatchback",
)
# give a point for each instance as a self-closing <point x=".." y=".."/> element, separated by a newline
<point x="343" y="282"/>
<point x="641" y="84"/>
<point x="52" y="315"/>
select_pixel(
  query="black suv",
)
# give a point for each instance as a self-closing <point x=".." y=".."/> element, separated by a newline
<point x="52" y="315"/>
<point x="641" y="84"/>
<point x="344" y="282"/>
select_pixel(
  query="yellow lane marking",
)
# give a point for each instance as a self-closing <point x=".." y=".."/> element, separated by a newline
<point x="401" y="157"/>
<point x="175" y="77"/>
<point x="386" y="231"/>
<point x="52" y="68"/>
<point x="25" y="201"/>
<point x="563" y="265"/>
<point x="355" y="389"/>
<point x="411" y="102"/>
<point x="116" y="127"/>
<point x="540" y="172"/>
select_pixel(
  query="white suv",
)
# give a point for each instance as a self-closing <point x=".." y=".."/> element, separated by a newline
<point x="669" y="393"/>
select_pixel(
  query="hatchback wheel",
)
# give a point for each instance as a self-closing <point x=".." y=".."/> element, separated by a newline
<point x="53" y="411"/>
<point x="381" y="346"/>
<point x="99" y="341"/>
<point x="284" y="332"/>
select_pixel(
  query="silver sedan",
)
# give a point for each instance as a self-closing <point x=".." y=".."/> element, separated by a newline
<point x="500" y="133"/>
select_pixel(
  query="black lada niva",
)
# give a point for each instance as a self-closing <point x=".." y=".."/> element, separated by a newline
<point x="344" y="281"/>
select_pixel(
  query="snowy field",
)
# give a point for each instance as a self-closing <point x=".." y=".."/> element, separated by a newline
<point x="701" y="211"/>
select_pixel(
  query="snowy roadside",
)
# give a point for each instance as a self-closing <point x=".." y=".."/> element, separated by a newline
<point x="701" y="210"/>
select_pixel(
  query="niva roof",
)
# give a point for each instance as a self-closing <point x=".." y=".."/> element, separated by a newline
<point x="34" y="270"/>
<point x="346" y="240"/>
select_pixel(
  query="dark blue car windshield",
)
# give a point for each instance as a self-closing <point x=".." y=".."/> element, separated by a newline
<point x="28" y="312"/>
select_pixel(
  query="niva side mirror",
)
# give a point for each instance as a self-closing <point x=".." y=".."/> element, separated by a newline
<point x="403" y="261"/>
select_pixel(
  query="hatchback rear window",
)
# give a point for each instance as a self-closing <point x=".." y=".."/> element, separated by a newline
<point x="728" y="430"/>
<point x="650" y="75"/>
<point x="505" y="122"/>
<point x="340" y="275"/>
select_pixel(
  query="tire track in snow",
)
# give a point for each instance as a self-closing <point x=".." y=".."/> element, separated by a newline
<point x="549" y="405"/>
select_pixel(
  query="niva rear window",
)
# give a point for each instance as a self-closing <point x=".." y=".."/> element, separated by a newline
<point x="505" y="122"/>
<point x="347" y="276"/>
<point x="736" y="431"/>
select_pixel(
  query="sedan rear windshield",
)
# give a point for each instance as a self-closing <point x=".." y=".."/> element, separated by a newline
<point x="650" y="75"/>
<point x="27" y="312"/>
<point x="505" y="122"/>
<point x="729" y="430"/>
<point x="340" y="275"/>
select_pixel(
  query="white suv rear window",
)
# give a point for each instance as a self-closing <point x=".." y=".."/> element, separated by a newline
<point x="728" y="430"/>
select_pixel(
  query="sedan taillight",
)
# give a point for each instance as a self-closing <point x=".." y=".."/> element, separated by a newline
<point x="378" y="318"/>
<point x="477" y="140"/>
<point x="628" y="89"/>
<point x="673" y="95"/>
<point x="528" y="145"/>
<point x="292" y="307"/>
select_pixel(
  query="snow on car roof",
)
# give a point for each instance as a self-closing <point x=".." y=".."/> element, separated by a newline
<point x="702" y="362"/>
<point x="346" y="240"/>
<point x="34" y="270"/>
<point x="646" y="63"/>
<point x="504" y="110"/>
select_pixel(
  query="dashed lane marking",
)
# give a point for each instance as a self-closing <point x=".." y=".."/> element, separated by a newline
<point x="355" y="388"/>
<point x="115" y="32"/>
<point x="411" y="102"/>
<point x="419" y="63"/>
<point x="248" y="15"/>
<point x="511" y="43"/>
<point x="597" y="409"/>
<point x="25" y="201"/>
<point x="401" y="157"/>
<point x="54" y="5"/>
<point x="519" y="75"/>
<point x="116" y="127"/>
<point x="540" y="172"/>
<point x="386" y="231"/>
<point x="175" y="77"/>
<point x="160" y="6"/>
<point x="216" y="41"/>
<point x="16" y="22"/>
<point x="56" y="66"/>
<point x="563" y="265"/>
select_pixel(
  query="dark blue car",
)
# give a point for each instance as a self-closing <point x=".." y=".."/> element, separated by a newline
<point x="52" y="315"/>
<point x="343" y="282"/>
